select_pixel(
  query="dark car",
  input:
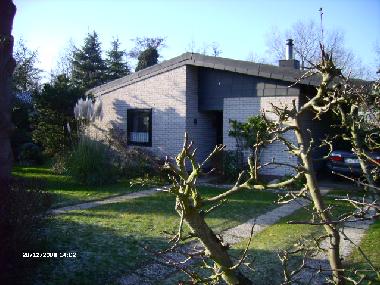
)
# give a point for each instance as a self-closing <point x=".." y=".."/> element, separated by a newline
<point x="346" y="162"/>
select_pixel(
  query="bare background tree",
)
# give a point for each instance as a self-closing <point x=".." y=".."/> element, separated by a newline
<point x="307" y="36"/>
<point x="212" y="48"/>
<point x="26" y="76"/>
<point x="255" y="57"/>
<point x="377" y="51"/>
<point x="65" y="61"/>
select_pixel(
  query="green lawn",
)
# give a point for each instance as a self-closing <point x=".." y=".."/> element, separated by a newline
<point x="65" y="191"/>
<point x="370" y="245"/>
<point x="281" y="236"/>
<point x="109" y="240"/>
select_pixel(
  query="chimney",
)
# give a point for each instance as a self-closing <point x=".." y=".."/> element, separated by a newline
<point x="289" y="61"/>
<point x="289" y="49"/>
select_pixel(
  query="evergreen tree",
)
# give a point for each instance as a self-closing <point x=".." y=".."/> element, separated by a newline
<point x="147" y="58"/>
<point x="54" y="109"/>
<point x="88" y="66"/>
<point x="116" y="64"/>
<point x="146" y="50"/>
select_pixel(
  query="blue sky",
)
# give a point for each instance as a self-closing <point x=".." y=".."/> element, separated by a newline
<point x="240" y="27"/>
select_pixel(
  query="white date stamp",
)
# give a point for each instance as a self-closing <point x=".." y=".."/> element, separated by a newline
<point x="69" y="254"/>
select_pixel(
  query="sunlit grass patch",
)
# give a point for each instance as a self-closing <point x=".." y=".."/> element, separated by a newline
<point x="65" y="191"/>
<point x="110" y="239"/>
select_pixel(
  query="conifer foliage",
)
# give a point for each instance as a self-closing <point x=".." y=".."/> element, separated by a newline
<point x="147" y="58"/>
<point x="116" y="63"/>
<point x="89" y="68"/>
<point x="146" y="50"/>
<point x="54" y="113"/>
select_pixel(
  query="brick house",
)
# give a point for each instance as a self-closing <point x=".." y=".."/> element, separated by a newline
<point x="199" y="94"/>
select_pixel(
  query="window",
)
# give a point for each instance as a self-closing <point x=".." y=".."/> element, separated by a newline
<point x="139" y="127"/>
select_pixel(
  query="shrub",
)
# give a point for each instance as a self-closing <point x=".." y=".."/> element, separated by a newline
<point x="133" y="161"/>
<point x="30" y="153"/>
<point x="22" y="213"/>
<point x="53" y="112"/>
<point x="21" y="113"/>
<point x="89" y="163"/>
<point x="233" y="161"/>
<point x="59" y="163"/>
<point x="297" y="185"/>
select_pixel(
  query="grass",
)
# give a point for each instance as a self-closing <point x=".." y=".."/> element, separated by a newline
<point x="370" y="245"/>
<point x="265" y="245"/>
<point x="109" y="240"/>
<point x="65" y="191"/>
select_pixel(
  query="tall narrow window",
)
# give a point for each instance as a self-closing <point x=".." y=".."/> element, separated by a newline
<point x="139" y="127"/>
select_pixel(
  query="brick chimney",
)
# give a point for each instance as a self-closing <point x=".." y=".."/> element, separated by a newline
<point x="289" y="60"/>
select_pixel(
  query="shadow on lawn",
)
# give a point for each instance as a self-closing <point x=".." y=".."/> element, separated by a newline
<point x="102" y="254"/>
<point x="264" y="268"/>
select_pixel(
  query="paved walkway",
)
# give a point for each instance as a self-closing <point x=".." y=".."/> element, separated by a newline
<point x="355" y="231"/>
<point x="115" y="199"/>
<point x="157" y="270"/>
<point x="134" y="195"/>
<point x="120" y="198"/>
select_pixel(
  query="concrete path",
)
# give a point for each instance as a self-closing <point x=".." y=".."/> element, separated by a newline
<point x="243" y="231"/>
<point x="115" y="199"/>
<point x="120" y="198"/>
<point x="158" y="270"/>
<point x="355" y="231"/>
<point x="134" y="195"/>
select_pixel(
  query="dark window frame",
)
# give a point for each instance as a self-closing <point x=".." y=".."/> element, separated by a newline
<point x="130" y="114"/>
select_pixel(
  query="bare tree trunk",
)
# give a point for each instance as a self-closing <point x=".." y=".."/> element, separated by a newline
<point x="213" y="245"/>
<point x="332" y="230"/>
<point x="7" y="65"/>
<point x="350" y="120"/>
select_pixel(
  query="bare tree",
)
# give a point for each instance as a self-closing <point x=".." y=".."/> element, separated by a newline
<point x="255" y="57"/>
<point x="65" y="61"/>
<point x="7" y="65"/>
<point x="359" y="113"/>
<point x="192" y="208"/>
<point x="216" y="50"/>
<point x="212" y="49"/>
<point x="377" y="52"/>
<point x="145" y="43"/>
<point x="26" y="76"/>
<point x="307" y="36"/>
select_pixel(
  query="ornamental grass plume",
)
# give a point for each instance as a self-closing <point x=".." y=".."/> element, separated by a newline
<point x="87" y="110"/>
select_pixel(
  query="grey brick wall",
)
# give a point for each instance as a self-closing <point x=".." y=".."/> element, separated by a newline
<point x="174" y="99"/>
<point x="165" y="93"/>
<point x="319" y="128"/>
<point x="199" y="125"/>
<point x="242" y="108"/>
